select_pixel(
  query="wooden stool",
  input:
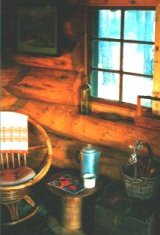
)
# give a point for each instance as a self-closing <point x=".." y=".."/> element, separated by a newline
<point x="72" y="208"/>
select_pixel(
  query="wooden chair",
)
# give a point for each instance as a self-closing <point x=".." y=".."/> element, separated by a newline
<point x="20" y="169"/>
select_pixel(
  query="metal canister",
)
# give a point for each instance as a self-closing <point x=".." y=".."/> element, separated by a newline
<point x="90" y="160"/>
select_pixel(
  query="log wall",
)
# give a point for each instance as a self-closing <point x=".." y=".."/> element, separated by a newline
<point x="51" y="97"/>
<point x="47" y="89"/>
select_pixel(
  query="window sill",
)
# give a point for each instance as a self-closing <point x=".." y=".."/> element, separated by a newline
<point x="121" y="109"/>
<point x="115" y="111"/>
<point x="111" y="117"/>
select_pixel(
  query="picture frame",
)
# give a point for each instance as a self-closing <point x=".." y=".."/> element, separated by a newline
<point x="37" y="30"/>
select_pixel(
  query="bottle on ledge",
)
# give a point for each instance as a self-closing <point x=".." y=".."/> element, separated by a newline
<point x="85" y="96"/>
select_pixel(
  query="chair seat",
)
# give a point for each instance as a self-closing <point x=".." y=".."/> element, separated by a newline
<point x="16" y="176"/>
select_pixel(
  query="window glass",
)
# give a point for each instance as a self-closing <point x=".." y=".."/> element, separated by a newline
<point x="139" y="25"/>
<point x="108" y="55"/>
<point x="138" y="58"/>
<point x="134" y="86"/>
<point x="108" y="84"/>
<point x="109" y="24"/>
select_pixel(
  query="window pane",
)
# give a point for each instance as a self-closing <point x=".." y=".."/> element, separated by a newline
<point x="139" y="25"/>
<point x="133" y="86"/>
<point x="109" y="24"/>
<point x="138" y="58"/>
<point x="108" y="55"/>
<point x="122" y="42"/>
<point x="107" y="85"/>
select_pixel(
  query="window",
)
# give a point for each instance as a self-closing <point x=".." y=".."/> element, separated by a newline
<point x="122" y="52"/>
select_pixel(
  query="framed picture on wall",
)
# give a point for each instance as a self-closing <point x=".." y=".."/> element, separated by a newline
<point x="37" y="30"/>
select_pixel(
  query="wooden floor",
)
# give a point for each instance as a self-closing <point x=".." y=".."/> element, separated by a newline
<point x="38" y="226"/>
<point x="101" y="215"/>
<point x="47" y="221"/>
<point x="44" y="225"/>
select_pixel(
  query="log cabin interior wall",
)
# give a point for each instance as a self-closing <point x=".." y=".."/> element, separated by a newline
<point x="47" y="89"/>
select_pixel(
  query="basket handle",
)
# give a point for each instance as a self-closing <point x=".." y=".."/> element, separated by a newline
<point x="107" y="188"/>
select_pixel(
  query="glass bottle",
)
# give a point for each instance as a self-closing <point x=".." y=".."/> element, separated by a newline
<point x="85" y="94"/>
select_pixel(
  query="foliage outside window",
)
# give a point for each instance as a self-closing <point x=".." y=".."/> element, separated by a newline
<point x="122" y="54"/>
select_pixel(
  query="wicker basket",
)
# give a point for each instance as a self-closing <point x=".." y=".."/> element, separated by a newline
<point x="142" y="188"/>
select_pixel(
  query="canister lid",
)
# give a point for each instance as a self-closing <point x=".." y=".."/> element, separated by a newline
<point x="88" y="149"/>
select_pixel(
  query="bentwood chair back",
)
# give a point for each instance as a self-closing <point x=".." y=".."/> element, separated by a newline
<point x="17" y="176"/>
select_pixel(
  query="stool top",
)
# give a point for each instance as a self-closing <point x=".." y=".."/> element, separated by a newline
<point x="84" y="193"/>
<point x="68" y="185"/>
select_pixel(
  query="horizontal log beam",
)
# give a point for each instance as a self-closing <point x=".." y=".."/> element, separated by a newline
<point x="66" y="152"/>
<point x="48" y="86"/>
<point x="22" y="82"/>
<point x="9" y="74"/>
<point x="7" y="99"/>
<point x="66" y="120"/>
<point x="63" y="62"/>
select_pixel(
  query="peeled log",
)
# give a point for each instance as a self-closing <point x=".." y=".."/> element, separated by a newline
<point x="48" y="85"/>
<point x="9" y="74"/>
<point x="63" y="62"/>
<point x="66" y="151"/>
<point x="65" y="120"/>
<point x="8" y="99"/>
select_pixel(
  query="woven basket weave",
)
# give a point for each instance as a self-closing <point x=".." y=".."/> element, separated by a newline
<point x="142" y="188"/>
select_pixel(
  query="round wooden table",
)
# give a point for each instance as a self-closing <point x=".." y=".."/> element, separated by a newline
<point x="72" y="207"/>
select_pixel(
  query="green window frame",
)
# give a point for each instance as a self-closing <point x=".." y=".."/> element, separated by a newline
<point x="119" y="72"/>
